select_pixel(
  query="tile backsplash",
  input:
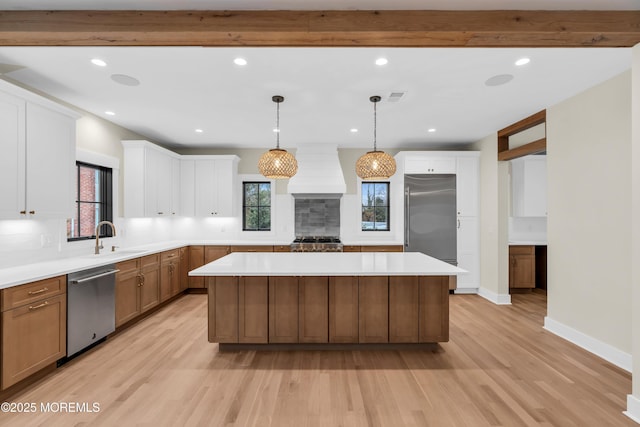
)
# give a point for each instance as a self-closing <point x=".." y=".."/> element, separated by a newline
<point x="317" y="216"/>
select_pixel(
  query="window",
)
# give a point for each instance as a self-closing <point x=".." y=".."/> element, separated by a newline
<point x="375" y="206"/>
<point x="94" y="202"/>
<point x="256" y="206"/>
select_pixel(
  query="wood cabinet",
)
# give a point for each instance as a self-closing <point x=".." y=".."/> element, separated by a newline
<point x="253" y="313"/>
<point x="169" y="274"/>
<point x="283" y="309"/>
<point x="184" y="268"/>
<point x="373" y="309"/>
<point x="150" y="173"/>
<point x="313" y="295"/>
<point x="382" y="248"/>
<point x="252" y="248"/>
<point x="403" y="309"/>
<point x="522" y="267"/>
<point x="351" y="248"/>
<point x="34" y="328"/>
<point x="38" y="156"/>
<point x="282" y="248"/>
<point x="343" y="309"/>
<point x="196" y="259"/>
<point x="223" y="309"/>
<point x="137" y="287"/>
<point x="208" y="185"/>
<point x="433" y="309"/>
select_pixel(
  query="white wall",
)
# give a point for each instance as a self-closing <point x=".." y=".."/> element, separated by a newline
<point x="589" y="213"/>
<point x="494" y="246"/>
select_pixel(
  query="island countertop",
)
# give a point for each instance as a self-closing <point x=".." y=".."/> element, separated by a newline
<point x="327" y="264"/>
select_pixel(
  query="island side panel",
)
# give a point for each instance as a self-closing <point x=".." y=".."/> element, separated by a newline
<point x="253" y="313"/>
<point x="283" y="309"/>
<point x="223" y="309"/>
<point x="373" y="302"/>
<point x="313" y="292"/>
<point x="434" y="308"/>
<point x="343" y="309"/>
<point x="403" y="309"/>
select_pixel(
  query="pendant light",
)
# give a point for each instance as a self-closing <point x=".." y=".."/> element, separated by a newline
<point x="375" y="164"/>
<point x="277" y="163"/>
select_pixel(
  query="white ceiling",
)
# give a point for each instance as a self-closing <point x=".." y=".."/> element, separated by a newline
<point x="320" y="4"/>
<point x="326" y="90"/>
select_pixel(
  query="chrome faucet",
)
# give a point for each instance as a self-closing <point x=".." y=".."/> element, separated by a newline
<point x="98" y="244"/>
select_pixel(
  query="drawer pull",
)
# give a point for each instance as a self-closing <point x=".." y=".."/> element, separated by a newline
<point x="38" y="291"/>
<point x="35" y="307"/>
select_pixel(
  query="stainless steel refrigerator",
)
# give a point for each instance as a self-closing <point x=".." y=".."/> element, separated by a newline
<point x="430" y="215"/>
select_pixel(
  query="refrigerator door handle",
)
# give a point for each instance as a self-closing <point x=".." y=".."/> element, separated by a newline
<point x="407" y="193"/>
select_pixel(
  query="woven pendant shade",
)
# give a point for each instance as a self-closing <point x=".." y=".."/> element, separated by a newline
<point x="277" y="163"/>
<point x="375" y="164"/>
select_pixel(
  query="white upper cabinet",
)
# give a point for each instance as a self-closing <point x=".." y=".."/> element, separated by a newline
<point x="151" y="177"/>
<point x="467" y="183"/>
<point x="529" y="186"/>
<point x="429" y="164"/>
<point x="211" y="191"/>
<point x="38" y="156"/>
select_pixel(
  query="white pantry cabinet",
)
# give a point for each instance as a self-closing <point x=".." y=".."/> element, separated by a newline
<point x="38" y="156"/>
<point x="150" y="176"/>
<point x="468" y="246"/>
<point x="208" y="185"/>
<point x="529" y="186"/>
<point x="430" y="164"/>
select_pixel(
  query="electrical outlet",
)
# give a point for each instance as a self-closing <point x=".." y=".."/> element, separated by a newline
<point x="46" y="240"/>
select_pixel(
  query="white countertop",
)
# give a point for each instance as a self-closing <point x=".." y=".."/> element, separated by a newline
<point x="327" y="264"/>
<point x="527" y="243"/>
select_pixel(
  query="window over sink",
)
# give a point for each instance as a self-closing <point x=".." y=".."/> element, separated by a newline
<point x="256" y="206"/>
<point x="94" y="202"/>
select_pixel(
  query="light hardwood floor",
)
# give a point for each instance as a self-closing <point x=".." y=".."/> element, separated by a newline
<point x="499" y="369"/>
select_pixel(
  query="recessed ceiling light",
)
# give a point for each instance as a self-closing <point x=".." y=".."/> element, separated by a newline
<point x="199" y="130"/>
<point x="354" y="130"/>
<point x="98" y="62"/>
<point x="110" y="113"/>
<point x="431" y="130"/>
<point x="382" y="61"/>
<point x="522" y="61"/>
<point x="240" y="61"/>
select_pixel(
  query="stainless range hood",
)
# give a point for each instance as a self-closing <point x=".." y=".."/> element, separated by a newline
<point x="319" y="171"/>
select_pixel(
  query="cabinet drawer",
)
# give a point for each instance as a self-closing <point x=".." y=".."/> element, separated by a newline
<point x="351" y="248"/>
<point x="26" y="294"/>
<point x="251" y="248"/>
<point x="170" y="255"/>
<point x="382" y="248"/>
<point x="128" y="266"/>
<point x="522" y="250"/>
<point x="150" y="261"/>
<point x="282" y="248"/>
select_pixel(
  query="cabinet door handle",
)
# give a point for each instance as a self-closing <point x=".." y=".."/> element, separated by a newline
<point x="23" y="212"/>
<point x="458" y="224"/>
<point x="32" y="212"/>
<point x="38" y="291"/>
<point x="160" y="213"/>
<point x="35" y="307"/>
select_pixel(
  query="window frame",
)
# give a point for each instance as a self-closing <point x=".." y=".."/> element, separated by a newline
<point x="387" y="206"/>
<point x="106" y="194"/>
<point x="243" y="206"/>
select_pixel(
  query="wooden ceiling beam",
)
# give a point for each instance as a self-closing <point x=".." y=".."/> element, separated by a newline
<point x="422" y="28"/>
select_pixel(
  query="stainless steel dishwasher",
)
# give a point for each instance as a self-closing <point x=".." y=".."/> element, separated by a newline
<point x="91" y="307"/>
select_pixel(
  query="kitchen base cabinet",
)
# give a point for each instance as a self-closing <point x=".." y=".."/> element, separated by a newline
<point x="403" y="309"/>
<point x="34" y="328"/>
<point x="223" y="309"/>
<point x="522" y="267"/>
<point x="382" y="248"/>
<point x="343" y="309"/>
<point x="169" y="274"/>
<point x="373" y="309"/>
<point x="196" y="259"/>
<point x="184" y="269"/>
<point x="137" y="287"/>
<point x="253" y="304"/>
<point x="283" y="309"/>
<point x="313" y="294"/>
<point x="433" y="322"/>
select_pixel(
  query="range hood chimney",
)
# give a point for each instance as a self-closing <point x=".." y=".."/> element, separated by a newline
<point x="319" y="171"/>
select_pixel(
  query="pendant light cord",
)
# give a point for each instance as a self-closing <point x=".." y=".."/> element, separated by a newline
<point x="375" y="127"/>
<point x="278" y="125"/>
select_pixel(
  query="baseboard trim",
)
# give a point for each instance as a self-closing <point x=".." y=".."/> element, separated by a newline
<point x="472" y="291"/>
<point x="499" y="299"/>
<point x="597" y="347"/>
<point x="633" y="408"/>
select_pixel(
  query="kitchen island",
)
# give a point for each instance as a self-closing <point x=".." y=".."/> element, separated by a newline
<point x="312" y="300"/>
